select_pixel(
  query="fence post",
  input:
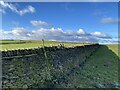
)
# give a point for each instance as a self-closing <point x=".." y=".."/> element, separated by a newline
<point x="47" y="68"/>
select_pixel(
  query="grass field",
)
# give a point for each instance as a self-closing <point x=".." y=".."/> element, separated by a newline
<point x="102" y="67"/>
<point x="22" y="44"/>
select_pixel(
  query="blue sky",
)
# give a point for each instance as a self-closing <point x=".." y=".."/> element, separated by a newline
<point x="90" y="22"/>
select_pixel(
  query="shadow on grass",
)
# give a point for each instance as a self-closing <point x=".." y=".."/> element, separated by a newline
<point x="110" y="53"/>
<point x="105" y="60"/>
<point x="105" y="56"/>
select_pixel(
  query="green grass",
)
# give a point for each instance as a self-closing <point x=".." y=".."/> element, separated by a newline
<point x="115" y="48"/>
<point x="24" y="44"/>
<point x="102" y="67"/>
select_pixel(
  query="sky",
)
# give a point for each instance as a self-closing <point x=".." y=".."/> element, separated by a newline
<point x="60" y="21"/>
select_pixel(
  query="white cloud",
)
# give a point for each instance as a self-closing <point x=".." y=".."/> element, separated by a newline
<point x="29" y="9"/>
<point x="100" y="35"/>
<point x="110" y="41"/>
<point x="56" y="34"/>
<point x="19" y="32"/>
<point x="12" y="7"/>
<point x="15" y="33"/>
<point x="81" y="31"/>
<point x="5" y="34"/>
<point x="109" y="20"/>
<point x="38" y="23"/>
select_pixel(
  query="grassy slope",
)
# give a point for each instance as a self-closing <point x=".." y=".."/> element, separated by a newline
<point x="101" y="69"/>
<point x="115" y="48"/>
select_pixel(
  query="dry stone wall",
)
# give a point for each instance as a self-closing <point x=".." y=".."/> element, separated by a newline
<point x="42" y="67"/>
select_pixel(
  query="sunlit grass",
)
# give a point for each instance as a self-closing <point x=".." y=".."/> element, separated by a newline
<point x="26" y="44"/>
<point x="115" y="48"/>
